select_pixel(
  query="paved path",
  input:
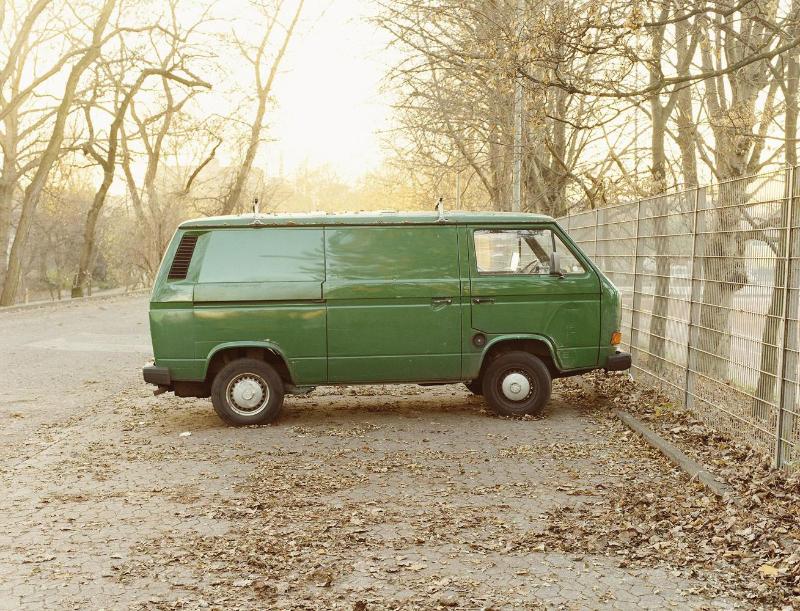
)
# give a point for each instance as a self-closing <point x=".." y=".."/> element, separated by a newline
<point x="358" y="498"/>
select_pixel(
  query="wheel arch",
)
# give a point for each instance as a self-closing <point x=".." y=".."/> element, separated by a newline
<point x="267" y="351"/>
<point x="538" y="345"/>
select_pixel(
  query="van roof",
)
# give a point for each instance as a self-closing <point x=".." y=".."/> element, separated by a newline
<point x="365" y="218"/>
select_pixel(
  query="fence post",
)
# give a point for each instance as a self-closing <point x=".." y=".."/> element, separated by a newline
<point x="787" y="341"/>
<point x="636" y="305"/>
<point x="596" y="223"/>
<point x="694" y="294"/>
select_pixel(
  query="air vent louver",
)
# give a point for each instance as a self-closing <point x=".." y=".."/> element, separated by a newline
<point x="183" y="257"/>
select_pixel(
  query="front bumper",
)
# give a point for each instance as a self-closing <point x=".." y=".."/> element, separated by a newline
<point x="156" y="375"/>
<point x="619" y="361"/>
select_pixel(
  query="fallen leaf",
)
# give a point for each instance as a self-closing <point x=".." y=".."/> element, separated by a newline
<point x="767" y="570"/>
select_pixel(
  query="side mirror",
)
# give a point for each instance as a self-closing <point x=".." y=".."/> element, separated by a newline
<point x="555" y="265"/>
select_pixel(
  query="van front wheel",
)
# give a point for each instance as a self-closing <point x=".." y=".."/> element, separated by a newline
<point x="247" y="391"/>
<point x="517" y="384"/>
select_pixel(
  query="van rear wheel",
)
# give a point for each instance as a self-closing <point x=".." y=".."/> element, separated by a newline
<point x="517" y="384"/>
<point x="247" y="391"/>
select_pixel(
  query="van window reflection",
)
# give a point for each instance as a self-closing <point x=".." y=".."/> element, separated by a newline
<point x="522" y="252"/>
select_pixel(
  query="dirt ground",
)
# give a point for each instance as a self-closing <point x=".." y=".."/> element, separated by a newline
<point x="357" y="498"/>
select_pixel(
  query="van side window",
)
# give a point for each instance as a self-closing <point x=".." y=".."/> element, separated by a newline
<point x="521" y="251"/>
<point x="389" y="254"/>
<point x="269" y="254"/>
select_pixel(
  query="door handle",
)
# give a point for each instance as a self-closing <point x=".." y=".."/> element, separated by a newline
<point x="442" y="300"/>
<point x="483" y="300"/>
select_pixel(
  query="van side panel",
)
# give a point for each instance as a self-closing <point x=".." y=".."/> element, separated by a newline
<point x="297" y="329"/>
<point x="172" y="330"/>
<point x="565" y="310"/>
<point x="393" y="297"/>
<point x="171" y="317"/>
<point x="260" y="285"/>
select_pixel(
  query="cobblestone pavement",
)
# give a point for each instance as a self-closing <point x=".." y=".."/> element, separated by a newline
<point x="358" y="498"/>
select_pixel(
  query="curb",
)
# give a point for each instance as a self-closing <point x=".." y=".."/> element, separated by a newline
<point x="71" y="300"/>
<point x="695" y="470"/>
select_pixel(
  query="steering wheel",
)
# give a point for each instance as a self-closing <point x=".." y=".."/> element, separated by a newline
<point x="534" y="267"/>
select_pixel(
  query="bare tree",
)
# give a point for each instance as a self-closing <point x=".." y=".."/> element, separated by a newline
<point x="787" y="78"/>
<point x="50" y="154"/>
<point x="265" y="68"/>
<point x="730" y="101"/>
<point x="108" y="159"/>
<point x="26" y="64"/>
<point x="456" y="101"/>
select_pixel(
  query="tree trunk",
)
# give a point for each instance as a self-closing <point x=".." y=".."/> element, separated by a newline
<point x="792" y="76"/>
<point x="264" y="90"/>
<point x="8" y="182"/>
<point x="6" y="194"/>
<point x="498" y="176"/>
<point x="765" y="388"/>
<point x="686" y="137"/>
<point x="232" y="200"/>
<point x="724" y="274"/>
<point x="51" y="153"/>
<point x="83" y="277"/>
<point x="733" y="125"/>
<point x="683" y="104"/>
<point x="791" y="112"/>
<point x="658" y="318"/>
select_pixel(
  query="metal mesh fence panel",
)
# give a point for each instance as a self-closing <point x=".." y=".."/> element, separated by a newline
<point x="710" y="284"/>
<point x="788" y="418"/>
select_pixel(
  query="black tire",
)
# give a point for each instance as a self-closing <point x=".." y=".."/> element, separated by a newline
<point x="536" y="375"/>
<point x="475" y="387"/>
<point x="259" y="377"/>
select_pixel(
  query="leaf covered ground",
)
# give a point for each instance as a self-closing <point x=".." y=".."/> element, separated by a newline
<point x="393" y="498"/>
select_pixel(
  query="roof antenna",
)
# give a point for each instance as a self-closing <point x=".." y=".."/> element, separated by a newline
<point x="255" y="205"/>
<point x="440" y="208"/>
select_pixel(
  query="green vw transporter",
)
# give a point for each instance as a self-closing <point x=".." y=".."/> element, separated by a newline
<point x="248" y="308"/>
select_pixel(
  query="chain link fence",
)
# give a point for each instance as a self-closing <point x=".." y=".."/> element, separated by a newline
<point x="704" y="275"/>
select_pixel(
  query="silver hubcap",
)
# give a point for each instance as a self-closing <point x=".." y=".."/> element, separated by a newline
<point x="516" y="386"/>
<point x="248" y="394"/>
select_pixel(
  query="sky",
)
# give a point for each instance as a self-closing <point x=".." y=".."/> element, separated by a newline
<point x="330" y="108"/>
<point x="328" y="105"/>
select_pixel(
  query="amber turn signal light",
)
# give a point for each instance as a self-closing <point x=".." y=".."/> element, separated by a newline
<point x="616" y="338"/>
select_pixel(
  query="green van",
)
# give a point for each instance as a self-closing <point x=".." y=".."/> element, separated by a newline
<point x="248" y="308"/>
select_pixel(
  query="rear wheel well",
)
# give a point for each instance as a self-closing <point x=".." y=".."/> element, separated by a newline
<point x="533" y="346"/>
<point x="225" y="356"/>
